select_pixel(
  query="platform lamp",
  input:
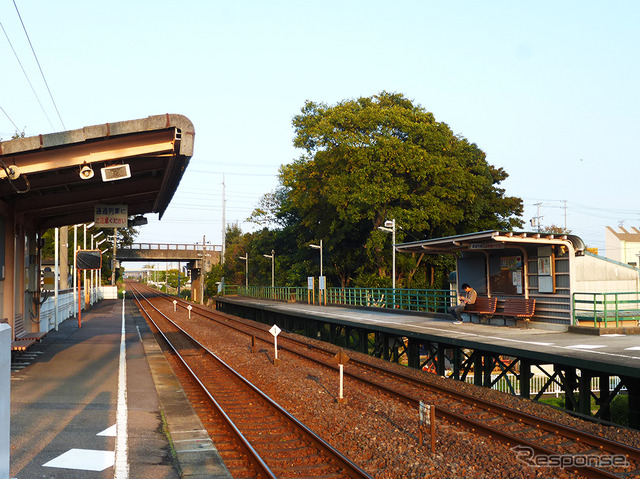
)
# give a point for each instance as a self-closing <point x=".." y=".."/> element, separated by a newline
<point x="390" y="227"/>
<point x="93" y="273"/>
<point x="84" y="273"/>
<point x="102" y="252"/>
<point x="245" y="258"/>
<point x="273" y="268"/>
<point x="315" y="246"/>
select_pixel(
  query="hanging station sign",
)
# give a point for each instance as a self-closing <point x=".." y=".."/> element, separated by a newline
<point x="111" y="216"/>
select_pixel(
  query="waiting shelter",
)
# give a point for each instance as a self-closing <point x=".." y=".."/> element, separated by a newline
<point x="551" y="268"/>
<point x="59" y="179"/>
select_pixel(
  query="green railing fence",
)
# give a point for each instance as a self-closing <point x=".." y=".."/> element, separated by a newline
<point x="279" y="293"/>
<point x="605" y="308"/>
<point x="432" y="300"/>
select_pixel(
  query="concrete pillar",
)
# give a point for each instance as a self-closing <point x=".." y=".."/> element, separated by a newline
<point x="525" y="378"/>
<point x="440" y="365"/>
<point x="5" y="398"/>
<point x="605" y="404"/>
<point x="413" y="353"/>
<point x="569" y="388"/>
<point x="633" y="391"/>
<point x="584" y="393"/>
<point x="64" y="257"/>
<point x="195" y="285"/>
<point x="363" y="341"/>
<point x="457" y="363"/>
<point x="478" y="368"/>
<point x="19" y="272"/>
<point x="488" y="368"/>
<point x="8" y="304"/>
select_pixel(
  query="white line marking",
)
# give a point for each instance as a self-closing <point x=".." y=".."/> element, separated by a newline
<point x="634" y="348"/>
<point x="586" y="346"/>
<point x="111" y="431"/>
<point x="83" y="459"/>
<point x="121" y="459"/>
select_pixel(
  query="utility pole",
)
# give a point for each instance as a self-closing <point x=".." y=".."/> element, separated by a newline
<point x="224" y="223"/>
<point x="113" y="262"/>
<point x="536" y="220"/>
<point x="64" y="257"/>
<point x="202" y="269"/>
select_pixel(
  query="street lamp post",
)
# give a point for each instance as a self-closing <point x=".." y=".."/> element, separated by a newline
<point x="93" y="281"/>
<point x="273" y="268"/>
<point x="87" y="291"/>
<point x="99" y="272"/>
<point x="390" y="227"/>
<point x="315" y="246"/>
<point x="245" y="258"/>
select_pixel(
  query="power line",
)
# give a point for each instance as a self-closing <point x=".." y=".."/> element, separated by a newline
<point x="39" y="67"/>
<point x="5" y="114"/>
<point x="27" y="77"/>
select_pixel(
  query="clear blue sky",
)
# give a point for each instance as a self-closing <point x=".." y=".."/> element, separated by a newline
<point x="549" y="90"/>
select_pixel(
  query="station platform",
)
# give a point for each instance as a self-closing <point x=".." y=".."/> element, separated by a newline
<point x="73" y="415"/>
<point x="607" y="353"/>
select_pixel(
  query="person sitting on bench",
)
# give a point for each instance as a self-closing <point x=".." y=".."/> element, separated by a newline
<point x="468" y="298"/>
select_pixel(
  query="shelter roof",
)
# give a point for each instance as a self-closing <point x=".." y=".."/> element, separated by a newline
<point x="485" y="240"/>
<point x="51" y="192"/>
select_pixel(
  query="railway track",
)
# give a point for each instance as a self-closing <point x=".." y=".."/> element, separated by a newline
<point x="253" y="434"/>
<point x="533" y="439"/>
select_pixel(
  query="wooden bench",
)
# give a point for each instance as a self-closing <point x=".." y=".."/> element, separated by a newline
<point x="22" y="339"/>
<point x="519" y="308"/>
<point x="483" y="307"/>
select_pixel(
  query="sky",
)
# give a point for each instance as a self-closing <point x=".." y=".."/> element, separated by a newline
<point x="547" y="89"/>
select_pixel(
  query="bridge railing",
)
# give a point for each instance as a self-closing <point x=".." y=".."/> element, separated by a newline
<point x="605" y="308"/>
<point x="170" y="247"/>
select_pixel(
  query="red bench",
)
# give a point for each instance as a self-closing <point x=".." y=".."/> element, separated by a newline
<point x="519" y="308"/>
<point x="22" y="340"/>
<point x="483" y="307"/>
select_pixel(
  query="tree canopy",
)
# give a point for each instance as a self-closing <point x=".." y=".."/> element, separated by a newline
<point x="378" y="158"/>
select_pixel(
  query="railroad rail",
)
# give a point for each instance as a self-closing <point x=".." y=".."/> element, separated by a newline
<point x="521" y="431"/>
<point x="273" y="443"/>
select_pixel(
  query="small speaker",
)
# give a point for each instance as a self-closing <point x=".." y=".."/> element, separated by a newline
<point x="115" y="172"/>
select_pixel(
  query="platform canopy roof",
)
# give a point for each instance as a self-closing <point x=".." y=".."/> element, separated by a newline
<point x="486" y="240"/>
<point x="50" y="190"/>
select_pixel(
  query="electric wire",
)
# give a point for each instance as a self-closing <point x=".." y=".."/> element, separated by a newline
<point x="7" y="115"/>
<point x="39" y="67"/>
<point x="27" y="77"/>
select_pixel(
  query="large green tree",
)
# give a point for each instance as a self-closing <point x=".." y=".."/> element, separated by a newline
<point x="372" y="159"/>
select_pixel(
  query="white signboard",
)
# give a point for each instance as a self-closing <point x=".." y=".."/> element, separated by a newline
<point x="425" y="414"/>
<point x="322" y="282"/>
<point x="275" y="330"/>
<point x="310" y="282"/>
<point x="111" y="216"/>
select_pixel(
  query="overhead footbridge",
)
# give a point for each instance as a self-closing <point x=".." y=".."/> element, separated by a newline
<point x="168" y="252"/>
<point x="197" y="257"/>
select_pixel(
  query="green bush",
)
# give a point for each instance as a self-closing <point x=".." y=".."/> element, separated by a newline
<point x="553" y="401"/>
<point x="620" y="410"/>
